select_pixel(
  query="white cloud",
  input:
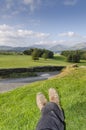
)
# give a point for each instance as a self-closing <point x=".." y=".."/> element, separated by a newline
<point x="18" y="6"/>
<point x="32" y="1"/>
<point x="42" y="35"/>
<point x="69" y="34"/>
<point x="12" y="36"/>
<point x="28" y="1"/>
<point x="46" y="42"/>
<point x="9" y="4"/>
<point x="70" y="2"/>
<point x="5" y="27"/>
<point x="33" y="4"/>
<point x="50" y="43"/>
<point x="72" y="38"/>
<point x="16" y="36"/>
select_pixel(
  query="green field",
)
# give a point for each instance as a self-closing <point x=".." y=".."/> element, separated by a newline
<point x="17" y="61"/>
<point x="18" y="110"/>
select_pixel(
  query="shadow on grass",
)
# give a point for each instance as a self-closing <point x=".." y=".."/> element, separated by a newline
<point x="64" y="119"/>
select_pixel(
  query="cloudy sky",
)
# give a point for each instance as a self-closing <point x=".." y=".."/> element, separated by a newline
<point x="28" y="22"/>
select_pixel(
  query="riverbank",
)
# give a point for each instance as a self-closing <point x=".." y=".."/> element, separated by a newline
<point x="27" y="72"/>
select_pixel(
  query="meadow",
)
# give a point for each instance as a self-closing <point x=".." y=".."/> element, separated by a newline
<point x="18" y="109"/>
<point x="18" y="61"/>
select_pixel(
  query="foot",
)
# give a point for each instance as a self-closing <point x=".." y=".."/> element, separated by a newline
<point x="53" y="96"/>
<point x="41" y="100"/>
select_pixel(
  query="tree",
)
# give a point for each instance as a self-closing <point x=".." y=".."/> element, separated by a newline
<point x="45" y="56"/>
<point x="83" y="56"/>
<point x="69" y="58"/>
<point x="37" y="52"/>
<point x="49" y="53"/>
<point x="35" y="55"/>
<point x="28" y="52"/>
<point x="73" y="57"/>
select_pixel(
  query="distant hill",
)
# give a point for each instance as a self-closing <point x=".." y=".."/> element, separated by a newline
<point x="59" y="48"/>
<point x="40" y="46"/>
<point x="9" y="48"/>
<point x="56" y="48"/>
<point x="5" y="48"/>
<point x="79" y="46"/>
<point x="20" y="49"/>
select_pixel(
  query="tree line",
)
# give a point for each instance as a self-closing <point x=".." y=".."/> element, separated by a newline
<point x="10" y="53"/>
<point x="74" y="56"/>
<point x="36" y="53"/>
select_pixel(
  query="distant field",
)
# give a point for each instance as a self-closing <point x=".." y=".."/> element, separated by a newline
<point x="18" y="61"/>
<point x="18" y="109"/>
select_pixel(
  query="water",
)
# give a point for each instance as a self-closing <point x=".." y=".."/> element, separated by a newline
<point x="10" y="84"/>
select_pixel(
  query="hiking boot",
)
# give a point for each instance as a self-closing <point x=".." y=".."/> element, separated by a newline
<point x="41" y="100"/>
<point x="53" y="96"/>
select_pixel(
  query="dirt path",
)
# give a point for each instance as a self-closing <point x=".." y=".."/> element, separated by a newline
<point x="10" y="84"/>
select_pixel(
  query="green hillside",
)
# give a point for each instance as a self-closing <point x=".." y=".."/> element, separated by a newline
<point x="18" y="110"/>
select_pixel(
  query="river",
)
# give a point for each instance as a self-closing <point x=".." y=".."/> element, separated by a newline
<point x="10" y="84"/>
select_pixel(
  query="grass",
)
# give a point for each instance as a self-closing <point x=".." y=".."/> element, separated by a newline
<point x="19" y="61"/>
<point x="18" y="110"/>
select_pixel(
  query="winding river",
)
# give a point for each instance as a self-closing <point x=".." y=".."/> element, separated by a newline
<point x="10" y="84"/>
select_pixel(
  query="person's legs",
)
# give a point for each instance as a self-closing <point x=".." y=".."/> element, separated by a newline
<point x="52" y="116"/>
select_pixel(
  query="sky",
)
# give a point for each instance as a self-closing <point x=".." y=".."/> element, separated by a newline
<point x="47" y="22"/>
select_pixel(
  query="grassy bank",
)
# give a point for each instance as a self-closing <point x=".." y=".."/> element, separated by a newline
<point x="18" y="110"/>
<point x="19" y="61"/>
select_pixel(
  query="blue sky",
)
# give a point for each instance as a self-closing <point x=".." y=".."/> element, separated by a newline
<point x="48" y="22"/>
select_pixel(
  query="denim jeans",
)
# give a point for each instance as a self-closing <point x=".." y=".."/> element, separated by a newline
<point x="52" y="118"/>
